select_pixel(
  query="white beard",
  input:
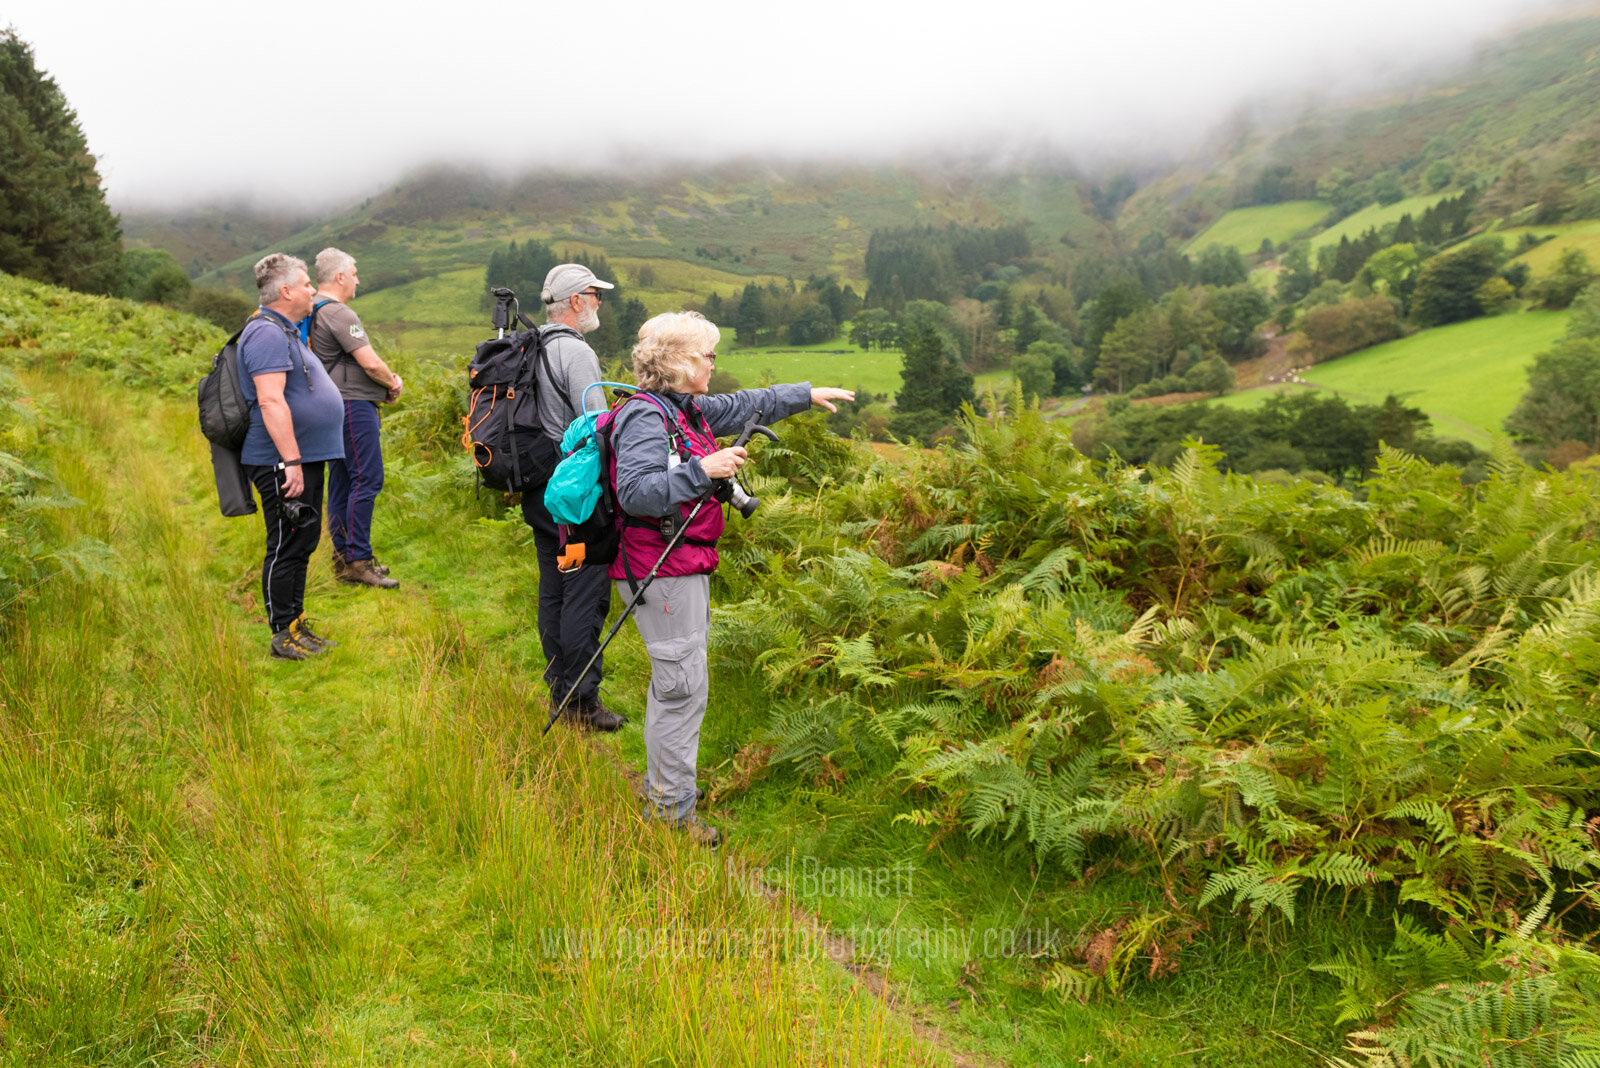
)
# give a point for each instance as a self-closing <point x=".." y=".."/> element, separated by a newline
<point x="588" y="320"/>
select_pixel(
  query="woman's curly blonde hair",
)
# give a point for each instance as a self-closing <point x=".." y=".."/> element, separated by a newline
<point x="670" y="346"/>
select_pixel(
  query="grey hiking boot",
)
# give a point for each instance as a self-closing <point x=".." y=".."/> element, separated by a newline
<point x="363" y="573"/>
<point x="701" y="832"/>
<point x="314" y="642"/>
<point x="287" y="645"/>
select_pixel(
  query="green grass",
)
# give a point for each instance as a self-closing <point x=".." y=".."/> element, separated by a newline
<point x="212" y="857"/>
<point x="821" y="365"/>
<point x="1376" y="216"/>
<point x="1246" y="400"/>
<point x="681" y="282"/>
<point x="448" y="299"/>
<point x="1246" y="228"/>
<point x="1466" y="376"/>
<point x="1584" y="236"/>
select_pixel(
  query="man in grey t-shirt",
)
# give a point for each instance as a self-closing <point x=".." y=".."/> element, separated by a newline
<point x="364" y="381"/>
<point x="572" y="604"/>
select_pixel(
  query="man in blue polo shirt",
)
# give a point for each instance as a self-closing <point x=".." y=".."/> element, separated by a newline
<point x="296" y="424"/>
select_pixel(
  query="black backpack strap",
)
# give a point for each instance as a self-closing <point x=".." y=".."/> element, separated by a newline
<point x="291" y="334"/>
<point x="535" y="343"/>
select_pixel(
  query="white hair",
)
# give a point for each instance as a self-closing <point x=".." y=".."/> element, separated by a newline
<point x="330" y="261"/>
<point x="274" y="271"/>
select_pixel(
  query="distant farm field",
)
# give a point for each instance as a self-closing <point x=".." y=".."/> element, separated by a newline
<point x="1376" y="215"/>
<point x="451" y="298"/>
<point x="675" y="283"/>
<point x="1245" y="228"/>
<point x="1466" y="376"/>
<point x="1584" y="236"/>
<point x="819" y="365"/>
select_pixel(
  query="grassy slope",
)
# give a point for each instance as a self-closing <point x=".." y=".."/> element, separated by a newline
<point x="357" y="857"/>
<point x="1520" y="95"/>
<point x="1245" y="228"/>
<point x="836" y="363"/>
<point x="737" y="223"/>
<point x="228" y="859"/>
<point x="1376" y="216"/>
<point x="1466" y="376"/>
<point x="1584" y="236"/>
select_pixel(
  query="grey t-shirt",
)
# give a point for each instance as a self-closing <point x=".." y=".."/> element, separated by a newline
<point x="336" y="332"/>
<point x="573" y="366"/>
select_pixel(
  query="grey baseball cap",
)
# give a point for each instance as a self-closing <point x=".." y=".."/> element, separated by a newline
<point x="566" y="279"/>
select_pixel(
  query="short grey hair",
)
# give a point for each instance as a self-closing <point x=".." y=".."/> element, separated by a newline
<point x="670" y="346"/>
<point x="274" y="271"/>
<point x="330" y="261"/>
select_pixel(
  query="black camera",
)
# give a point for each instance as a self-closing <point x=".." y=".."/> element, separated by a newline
<point x="299" y="513"/>
<point x="729" y="491"/>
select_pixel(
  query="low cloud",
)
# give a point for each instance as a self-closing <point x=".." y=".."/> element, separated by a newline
<point x="185" y="101"/>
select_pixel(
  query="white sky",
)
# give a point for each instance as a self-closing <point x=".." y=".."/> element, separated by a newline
<point x="184" y="100"/>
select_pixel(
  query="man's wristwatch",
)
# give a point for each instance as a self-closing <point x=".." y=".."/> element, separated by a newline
<point x="287" y="463"/>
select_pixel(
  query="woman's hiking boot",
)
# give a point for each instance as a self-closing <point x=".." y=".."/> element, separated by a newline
<point x="366" y="573"/>
<point x="701" y="832"/>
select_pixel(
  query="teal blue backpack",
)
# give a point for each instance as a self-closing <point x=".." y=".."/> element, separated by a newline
<point x="578" y="497"/>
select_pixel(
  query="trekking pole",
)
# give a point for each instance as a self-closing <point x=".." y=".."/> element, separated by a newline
<point x="751" y="427"/>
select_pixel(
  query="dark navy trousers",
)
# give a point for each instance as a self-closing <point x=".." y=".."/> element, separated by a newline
<point x="354" y="482"/>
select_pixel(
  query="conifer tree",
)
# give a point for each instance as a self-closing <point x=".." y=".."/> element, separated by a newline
<point x="935" y="384"/>
<point x="54" y="222"/>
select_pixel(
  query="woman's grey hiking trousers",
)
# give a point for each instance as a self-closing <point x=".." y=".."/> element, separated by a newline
<point x="675" y="623"/>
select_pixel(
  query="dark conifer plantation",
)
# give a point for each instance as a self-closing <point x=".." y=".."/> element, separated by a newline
<point x="54" y="222"/>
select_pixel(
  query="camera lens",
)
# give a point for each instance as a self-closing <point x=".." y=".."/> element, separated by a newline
<point x="743" y="501"/>
<point x="297" y="512"/>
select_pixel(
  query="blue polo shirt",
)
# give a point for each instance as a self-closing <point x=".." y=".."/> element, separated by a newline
<point x="314" y="402"/>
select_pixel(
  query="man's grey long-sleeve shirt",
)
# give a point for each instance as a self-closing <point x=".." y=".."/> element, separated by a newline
<point x="646" y="485"/>
<point x="573" y="367"/>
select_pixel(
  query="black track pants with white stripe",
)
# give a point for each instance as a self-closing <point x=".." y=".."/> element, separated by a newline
<point x="289" y="548"/>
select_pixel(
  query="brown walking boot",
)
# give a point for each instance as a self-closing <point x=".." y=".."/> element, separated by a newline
<point x="362" y="573"/>
<point x="341" y="570"/>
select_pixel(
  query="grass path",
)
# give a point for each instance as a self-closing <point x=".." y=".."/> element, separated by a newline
<point x="207" y="857"/>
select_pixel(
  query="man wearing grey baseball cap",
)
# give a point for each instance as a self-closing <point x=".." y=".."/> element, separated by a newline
<point x="573" y="604"/>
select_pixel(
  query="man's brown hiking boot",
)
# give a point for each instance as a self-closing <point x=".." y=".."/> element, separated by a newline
<point x="364" y="573"/>
<point x="287" y="645"/>
<point x="341" y="569"/>
<point x="314" y="642"/>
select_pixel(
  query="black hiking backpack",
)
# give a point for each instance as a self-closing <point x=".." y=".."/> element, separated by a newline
<point x="503" y="429"/>
<point x="224" y="412"/>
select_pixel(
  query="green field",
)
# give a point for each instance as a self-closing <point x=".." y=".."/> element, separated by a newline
<point x="451" y="298"/>
<point x="1376" y="216"/>
<point x="822" y="365"/>
<point x="1467" y="376"/>
<point x="1584" y="235"/>
<point x="1245" y="228"/>
<point x="1251" y="398"/>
